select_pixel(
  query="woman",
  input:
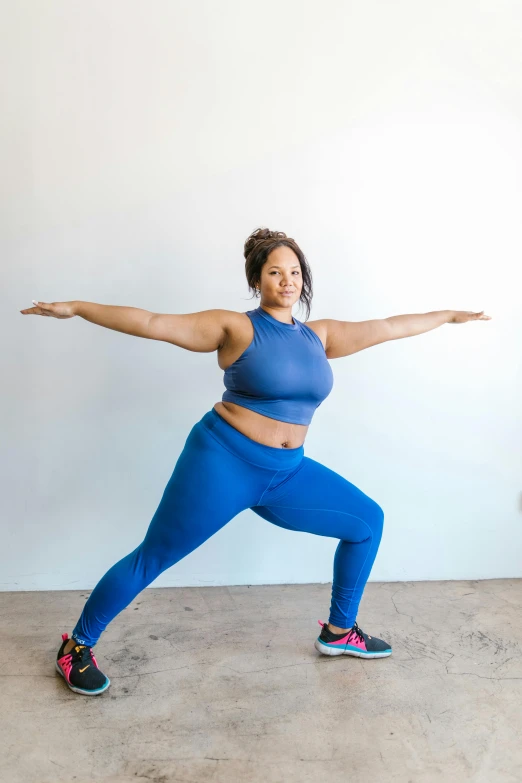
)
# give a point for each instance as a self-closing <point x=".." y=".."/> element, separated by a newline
<point x="247" y="451"/>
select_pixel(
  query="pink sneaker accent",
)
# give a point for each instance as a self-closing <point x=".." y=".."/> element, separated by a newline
<point x="353" y="640"/>
<point x="65" y="665"/>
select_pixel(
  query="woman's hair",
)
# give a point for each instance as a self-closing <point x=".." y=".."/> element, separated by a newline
<point x="259" y="245"/>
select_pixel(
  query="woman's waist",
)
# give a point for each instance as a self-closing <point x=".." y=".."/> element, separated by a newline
<point x="263" y="429"/>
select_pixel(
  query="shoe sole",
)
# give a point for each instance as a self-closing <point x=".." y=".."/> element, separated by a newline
<point x="79" y="690"/>
<point x="324" y="649"/>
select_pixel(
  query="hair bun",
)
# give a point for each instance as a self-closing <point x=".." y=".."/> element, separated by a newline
<point x="260" y="235"/>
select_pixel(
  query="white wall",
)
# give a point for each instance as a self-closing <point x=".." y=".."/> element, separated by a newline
<point x="143" y="143"/>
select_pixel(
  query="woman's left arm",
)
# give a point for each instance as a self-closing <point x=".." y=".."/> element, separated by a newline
<point x="346" y="337"/>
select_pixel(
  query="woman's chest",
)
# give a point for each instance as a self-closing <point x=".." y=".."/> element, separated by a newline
<point x="244" y="340"/>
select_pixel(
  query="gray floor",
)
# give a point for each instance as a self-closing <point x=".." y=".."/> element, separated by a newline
<point x="224" y="684"/>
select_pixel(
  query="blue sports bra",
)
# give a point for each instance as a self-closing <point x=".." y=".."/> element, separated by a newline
<point x="283" y="374"/>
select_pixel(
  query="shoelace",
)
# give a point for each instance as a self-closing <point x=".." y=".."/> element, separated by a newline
<point x="356" y="631"/>
<point x="80" y="654"/>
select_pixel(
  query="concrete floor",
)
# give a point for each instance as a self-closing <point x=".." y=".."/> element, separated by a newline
<point x="223" y="684"/>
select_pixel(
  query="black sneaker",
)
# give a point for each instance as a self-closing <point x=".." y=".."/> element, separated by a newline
<point x="80" y="669"/>
<point x="353" y="642"/>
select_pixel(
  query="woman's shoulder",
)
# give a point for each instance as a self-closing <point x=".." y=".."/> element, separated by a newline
<point x="320" y="328"/>
<point x="237" y="325"/>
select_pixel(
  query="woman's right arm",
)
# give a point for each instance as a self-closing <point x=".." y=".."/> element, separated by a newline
<point x="205" y="331"/>
<point x="130" y="320"/>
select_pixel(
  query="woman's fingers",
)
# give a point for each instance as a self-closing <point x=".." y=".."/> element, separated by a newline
<point x="33" y="311"/>
<point x="39" y="309"/>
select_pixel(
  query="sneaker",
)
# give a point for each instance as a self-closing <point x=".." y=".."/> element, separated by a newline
<point x="353" y="642"/>
<point x="80" y="669"/>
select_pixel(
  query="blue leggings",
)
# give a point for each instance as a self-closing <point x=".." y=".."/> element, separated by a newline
<point x="221" y="472"/>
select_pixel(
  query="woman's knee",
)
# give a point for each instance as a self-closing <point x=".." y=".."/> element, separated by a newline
<point x="373" y="521"/>
<point x="151" y="560"/>
<point x="166" y="546"/>
<point x="377" y="519"/>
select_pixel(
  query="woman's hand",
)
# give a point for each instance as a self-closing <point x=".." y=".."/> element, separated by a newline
<point x="54" y="310"/>
<point x="461" y="316"/>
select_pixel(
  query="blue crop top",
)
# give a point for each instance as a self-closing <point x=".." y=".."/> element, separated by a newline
<point x="283" y="374"/>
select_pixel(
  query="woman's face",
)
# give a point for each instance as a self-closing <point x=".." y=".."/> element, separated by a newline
<point x="281" y="279"/>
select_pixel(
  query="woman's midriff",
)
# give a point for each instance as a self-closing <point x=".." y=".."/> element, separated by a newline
<point x="269" y="432"/>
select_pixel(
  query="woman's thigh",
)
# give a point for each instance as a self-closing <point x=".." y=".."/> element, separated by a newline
<point x="209" y="486"/>
<point x="316" y="499"/>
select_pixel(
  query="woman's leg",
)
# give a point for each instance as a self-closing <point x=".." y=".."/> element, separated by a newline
<point x="317" y="500"/>
<point x="208" y="487"/>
